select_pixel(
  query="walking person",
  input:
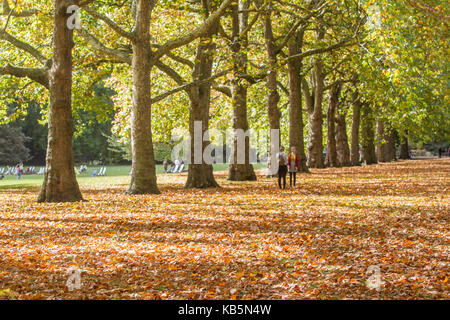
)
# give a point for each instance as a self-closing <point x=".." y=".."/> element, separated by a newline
<point x="282" y="167"/>
<point x="293" y="165"/>
<point x="19" y="169"/>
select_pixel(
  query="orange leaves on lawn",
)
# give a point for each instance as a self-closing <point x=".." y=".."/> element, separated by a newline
<point x="242" y="241"/>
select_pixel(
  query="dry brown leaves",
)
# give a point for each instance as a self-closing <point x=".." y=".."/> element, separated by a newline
<point x="242" y="241"/>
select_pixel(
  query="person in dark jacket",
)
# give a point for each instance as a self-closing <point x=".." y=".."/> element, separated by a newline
<point x="282" y="167"/>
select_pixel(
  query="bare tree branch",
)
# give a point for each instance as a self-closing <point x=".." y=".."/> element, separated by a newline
<point x="343" y="43"/>
<point x="39" y="75"/>
<point x="96" y="44"/>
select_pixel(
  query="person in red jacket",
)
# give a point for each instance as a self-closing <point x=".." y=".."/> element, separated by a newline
<point x="293" y="165"/>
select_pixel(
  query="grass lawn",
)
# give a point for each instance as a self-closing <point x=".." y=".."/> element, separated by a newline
<point x="115" y="175"/>
<point x="245" y="240"/>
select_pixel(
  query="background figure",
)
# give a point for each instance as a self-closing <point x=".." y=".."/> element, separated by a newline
<point x="282" y="167"/>
<point x="293" y="164"/>
<point x="166" y="165"/>
<point x="19" y="171"/>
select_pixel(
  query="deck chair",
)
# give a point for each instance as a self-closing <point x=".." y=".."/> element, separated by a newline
<point x="102" y="171"/>
<point x="2" y="170"/>
<point x="181" y="168"/>
<point x="41" y="171"/>
<point x="94" y="173"/>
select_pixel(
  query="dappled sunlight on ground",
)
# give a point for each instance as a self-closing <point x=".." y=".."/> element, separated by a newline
<point x="241" y="241"/>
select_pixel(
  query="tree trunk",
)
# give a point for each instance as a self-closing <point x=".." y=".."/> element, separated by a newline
<point x="240" y="171"/>
<point x="143" y="173"/>
<point x="315" y="143"/>
<point x="295" y="100"/>
<point x="60" y="183"/>
<point x="272" y="86"/>
<point x="200" y="174"/>
<point x="342" y="149"/>
<point x="368" y="135"/>
<point x="331" y="158"/>
<point x="404" y="148"/>
<point x="379" y="149"/>
<point x="389" y="147"/>
<point x="356" y="117"/>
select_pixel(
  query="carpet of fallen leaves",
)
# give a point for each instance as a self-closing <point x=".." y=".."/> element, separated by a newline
<point x="242" y="241"/>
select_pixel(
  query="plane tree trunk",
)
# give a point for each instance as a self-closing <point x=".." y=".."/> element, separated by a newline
<point x="342" y="149"/>
<point x="389" y="146"/>
<point x="143" y="173"/>
<point x="200" y="173"/>
<point x="368" y="134"/>
<point x="60" y="183"/>
<point x="272" y="86"/>
<point x="331" y="157"/>
<point x="296" y="138"/>
<point x="404" y="148"/>
<point x="356" y="118"/>
<point x="240" y="171"/>
<point x="379" y="149"/>
<point x="315" y="142"/>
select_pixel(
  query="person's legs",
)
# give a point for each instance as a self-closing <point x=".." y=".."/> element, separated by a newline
<point x="280" y="174"/>
<point x="284" y="176"/>
<point x="290" y="179"/>
<point x="295" y="177"/>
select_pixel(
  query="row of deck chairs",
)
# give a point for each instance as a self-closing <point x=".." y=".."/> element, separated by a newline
<point x="176" y="168"/>
<point x="99" y="173"/>
<point x="8" y="171"/>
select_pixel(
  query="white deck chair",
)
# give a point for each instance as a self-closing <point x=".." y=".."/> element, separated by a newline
<point x="181" y="168"/>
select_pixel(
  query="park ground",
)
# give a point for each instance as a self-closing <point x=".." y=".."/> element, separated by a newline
<point x="321" y="240"/>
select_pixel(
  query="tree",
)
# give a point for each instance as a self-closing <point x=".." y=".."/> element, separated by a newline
<point x="240" y="171"/>
<point x="334" y="94"/>
<point x="296" y="126"/>
<point x="143" y="173"/>
<point x="200" y="173"/>
<point x="356" y="117"/>
<point x="368" y="134"/>
<point x="143" y="178"/>
<point x="55" y="74"/>
<point x="12" y="146"/>
<point x="342" y="148"/>
<point x="60" y="183"/>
